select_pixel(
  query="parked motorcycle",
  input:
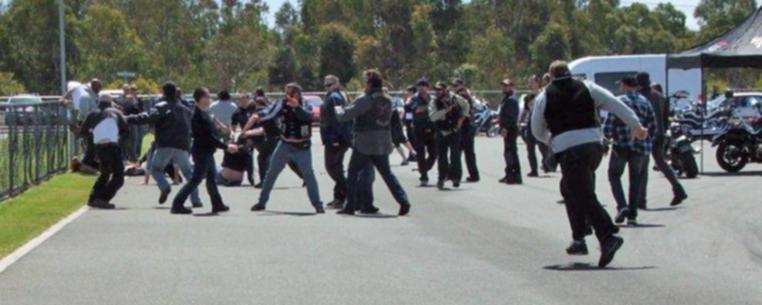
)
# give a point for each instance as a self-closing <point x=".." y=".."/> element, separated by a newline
<point x="485" y="120"/>
<point x="680" y="152"/>
<point x="739" y="144"/>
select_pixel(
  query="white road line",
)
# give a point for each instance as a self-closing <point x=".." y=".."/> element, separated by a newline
<point x="29" y="246"/>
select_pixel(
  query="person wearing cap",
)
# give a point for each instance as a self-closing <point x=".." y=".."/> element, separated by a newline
<point x="628" y="151"/>
<point x="509" y="129"/>
<point x="294" y="145"/>
<point x="468" y="131"/>
<point x="660" y="106"/>
<point x="565" y="117"/>
<point x="448" y="112"/>
<point x="337" y="138"/>
<point x="106" y="127"/>
<point x="425" y="148"/>
<point x="171" y="122"/>
<point x="372" y="115"/>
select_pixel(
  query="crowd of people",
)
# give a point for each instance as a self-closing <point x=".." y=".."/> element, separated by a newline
<point x="572" y="123"/>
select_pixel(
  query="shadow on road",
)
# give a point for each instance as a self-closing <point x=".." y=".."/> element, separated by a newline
<point x="726" y="174"/>
<point x="642" y="226"/>
<point x="377" y="216"/>
<point x="589" y="267"/>
<point x="665" y="209"/>
<point x="282" y="213"/>
<point x="207" y="214"/>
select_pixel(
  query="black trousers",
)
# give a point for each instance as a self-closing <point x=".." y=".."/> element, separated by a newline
<point x="578" y="165"/>
<point x="448" y="160"/>
<point x="203" y="168"/>
<point x="334" y="165"/>
<point x="111" y="169"/>
<point x="410" y="134"/>
<point x="511" y="155"/>
<point x="265" y="151"/>
<point x="469" y="137"/>
<point x="425" y="150"/>
<point x="532" y="146"/>
<point x="661" y="164"/>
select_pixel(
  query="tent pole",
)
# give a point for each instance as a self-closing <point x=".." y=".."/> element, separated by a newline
<point x="703" y="114"/>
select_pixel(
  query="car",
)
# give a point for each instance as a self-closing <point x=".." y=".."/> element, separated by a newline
<point x="114" y="93"/>
<point x="314" y="102"/>
<point x="29" y="100"/>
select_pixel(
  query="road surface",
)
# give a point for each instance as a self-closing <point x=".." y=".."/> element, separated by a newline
<point x="485" y="243"/>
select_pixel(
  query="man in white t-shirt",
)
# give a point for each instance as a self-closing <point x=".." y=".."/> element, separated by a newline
<point x="106" y="126"/>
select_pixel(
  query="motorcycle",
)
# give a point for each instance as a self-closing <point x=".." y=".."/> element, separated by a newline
<point x="485" y="120"/>
<point x="739" y="144"/>
<point x="680" y="151"/>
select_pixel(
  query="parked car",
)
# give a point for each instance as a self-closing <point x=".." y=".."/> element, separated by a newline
<point x="24" y="99"/>
<point x="314" y="102"/>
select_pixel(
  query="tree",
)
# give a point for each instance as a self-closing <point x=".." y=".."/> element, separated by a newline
<point x="337" y="47"/>
<point x="9" y="86"/>
<point x="493" y="55"/>
<point x="552" y="44"/>
<point x="720" y="16"/>
<point x="284" y="68"/>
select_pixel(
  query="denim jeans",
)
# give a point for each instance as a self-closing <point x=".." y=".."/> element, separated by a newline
<point x="203" y="168"/>
<point x="302" y="157"/>
<point x="664" y="167"/>
<point x="162" y="156"/>
<point x="637" y="166"/>
<point x="360" y="168"/>
<point x="111" y="170"/>
<point x="448" y="156"/>
<point x="578" y="165"/>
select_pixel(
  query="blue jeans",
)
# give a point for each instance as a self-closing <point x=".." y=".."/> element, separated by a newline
<point x="283" y="154"/>
<point x="203" y="168"/>
<point x="161" y="158"/>
<point x="361" y="165"/>
<point x="637" y="166"/>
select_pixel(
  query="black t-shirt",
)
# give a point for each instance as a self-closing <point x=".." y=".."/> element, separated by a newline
<point x="237" y="161"/>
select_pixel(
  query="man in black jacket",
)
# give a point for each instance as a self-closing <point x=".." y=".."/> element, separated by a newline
<point x="425" y="148"/>
<point x="205" y="143"/>
<point x="468" y="131"/>
<point x="336" y="138"/>
<point x="294" y="145"/>
<point x="171" y="122"/>
<point x="106" y="126"/>
<point x="509" y="129"/>
<point x="237" y="121"/>
<point x="448" y="112"/>
<point x="661" y="110"/>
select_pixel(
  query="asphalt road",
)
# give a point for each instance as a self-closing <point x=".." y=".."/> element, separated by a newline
<point x="485" y="243"/>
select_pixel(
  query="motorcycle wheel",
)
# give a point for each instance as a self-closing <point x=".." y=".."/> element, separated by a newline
<point x="493" y="131"/>
<point x="689" y="165"/>
<point x="730" y="157"/>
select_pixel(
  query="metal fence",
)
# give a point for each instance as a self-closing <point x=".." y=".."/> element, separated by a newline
<point x="34" y="145"/>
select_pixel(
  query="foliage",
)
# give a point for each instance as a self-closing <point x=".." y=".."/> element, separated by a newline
<point x="9" y="86"/>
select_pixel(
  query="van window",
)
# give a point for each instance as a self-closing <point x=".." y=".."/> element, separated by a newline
<point x="610" y="80"/>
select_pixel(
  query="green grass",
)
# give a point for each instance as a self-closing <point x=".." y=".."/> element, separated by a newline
<point x="26" y="216"/>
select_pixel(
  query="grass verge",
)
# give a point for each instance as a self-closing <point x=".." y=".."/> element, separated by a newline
<point x="26" y="216"/>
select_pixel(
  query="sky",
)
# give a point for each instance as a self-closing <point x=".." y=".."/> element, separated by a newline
<point x="686" y="6"/>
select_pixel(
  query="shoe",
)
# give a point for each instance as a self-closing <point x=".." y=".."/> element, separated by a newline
<point x="220" y="209"/>
<point x="258" y="185"/>
<point x="369" y="210"/>
<point x="577" y="247"/>
<point x="456" y="184"/>
<point x="404" y="209"/>
<point x="304" y="184"/>
<point x="181" y="211"/>
<point x="632" y="222"/>
<point x="319" y="210"/>
<point x="608" y="249"/>
<point x="621" y="215"/>
<point x="440" y="185"/>
<point x="472" y="179"/>
<point x="198" y="205"/>
<point x="258" y="207"/>
<point x="100" y="204"/>
<point x="346" y="212"/>
<point x="164" y="194"/>
<point x="424" y="182"/>
<point x="336" y="204"/>
<point x="533" y="174"/>
<point x="678" y="199"/>
<point x="504" y="180"/>
<point x="412" y="158"/>
<point x="405" y="163"/>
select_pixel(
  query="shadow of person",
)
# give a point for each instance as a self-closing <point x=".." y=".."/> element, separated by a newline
<point x="376" y="216"/>
<point x="642" y="226"/>
<point x="726" y="174"/>
<point x="576" y="266"/>
<point x="664" y="209"/>
<point x="207" y="214"/>
<point x="283" y="213"/>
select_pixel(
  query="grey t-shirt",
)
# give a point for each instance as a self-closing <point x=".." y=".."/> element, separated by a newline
<point x="223" y="111"/>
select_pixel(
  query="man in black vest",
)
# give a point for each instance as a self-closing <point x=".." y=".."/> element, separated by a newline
<point x="509" y="129"/>
<point x="468" y="131"/>
<point x="336" y="138"/>
<point x="294" y="145"/>
<point x="372" y="115"/>
<point x="448" y="112"/>
<point x="425" y="148"/>
<point x="566" y="117"/>
<point x="661" y="110"/>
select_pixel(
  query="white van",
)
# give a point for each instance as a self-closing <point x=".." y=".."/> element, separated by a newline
<point x="606" y="71"/>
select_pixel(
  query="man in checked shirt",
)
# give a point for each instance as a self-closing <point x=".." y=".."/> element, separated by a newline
<point x="630" y="152"/>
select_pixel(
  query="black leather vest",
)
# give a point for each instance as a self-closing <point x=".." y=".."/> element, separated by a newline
<point x="569" y="106"/>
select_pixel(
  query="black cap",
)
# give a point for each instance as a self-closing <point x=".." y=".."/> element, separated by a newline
<point x="644" y="79"/>
<point x="422" y="82"/>
<point x="629" y="81"/>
